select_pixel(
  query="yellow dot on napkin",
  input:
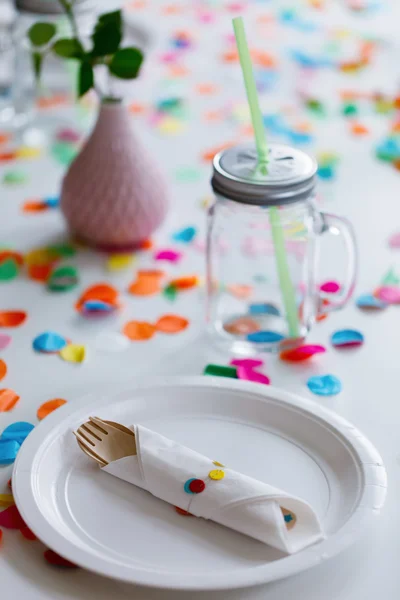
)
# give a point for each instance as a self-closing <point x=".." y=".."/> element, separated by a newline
<point x="28" y="152"/>
<point x="217" y="464"/>
<point x="118" y="262"/>
<point x="216" y="474"/>
<point x="73" y="353"/>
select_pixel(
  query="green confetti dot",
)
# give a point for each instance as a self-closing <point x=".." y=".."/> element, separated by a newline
<point x="64" y="152"/>
<point x="170" y="292"/>
<point x="15" y="177"/>
<point x="349" y="109"/>
<point x="64" y="250"/>
<point x="220" y="371"/>
<point x="63" y="279"/>
<point x="8" y="270"/>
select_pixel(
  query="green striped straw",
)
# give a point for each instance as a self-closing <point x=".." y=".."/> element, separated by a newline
<point x="285" y="282"/>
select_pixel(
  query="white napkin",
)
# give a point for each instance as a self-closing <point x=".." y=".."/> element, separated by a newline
<point x="162" y="467"/>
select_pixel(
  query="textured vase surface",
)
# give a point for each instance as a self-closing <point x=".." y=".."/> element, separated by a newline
<point x="113" y="196"/>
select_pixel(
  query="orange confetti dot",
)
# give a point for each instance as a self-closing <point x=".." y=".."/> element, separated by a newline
<point x="6" y="254"/>
<point x="8" y="399"/>
<point x="359" y="129"/>
<point x="3" y="369"/>
<point x="147" y="283"/>
<point x="172" y="9"/>
<point x="28" y="534"/>
<point x="136" y="109"/>
<point x="139" y="330"/>
<point x="206" y="89"/>
<point x="100" y="291"/>
<point x="240" y="291"/>
<point x="34" y="206"/>
<point x="214" y="115"/>
<point x="48" y="407"/>
<point x="146" y="245"/>
<point x="171" y="324"/>
<point x="7" y="156"/>
<point x="4" y="138"/>
<point x="177" y="71"/>
<point x="40" y="272"/>
<point x="185" y="283"/>
<point x="12" y="318"/>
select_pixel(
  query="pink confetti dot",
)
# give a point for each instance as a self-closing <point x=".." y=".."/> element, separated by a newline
<point x="168" y="255"/>
<point x="394" y="240"/>
<point x="247" y="374"/>
<point x="4" y="341"/>
<point x="330" y="287"/>
<point x="388" y="294"/>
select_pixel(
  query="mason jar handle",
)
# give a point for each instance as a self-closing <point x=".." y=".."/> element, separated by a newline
<point x="340" y="226"/>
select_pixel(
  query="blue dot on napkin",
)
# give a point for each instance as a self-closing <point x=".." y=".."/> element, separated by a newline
<point x="324" y="385"/>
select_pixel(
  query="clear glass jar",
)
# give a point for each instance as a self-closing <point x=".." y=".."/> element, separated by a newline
<point x="262" y="248"/>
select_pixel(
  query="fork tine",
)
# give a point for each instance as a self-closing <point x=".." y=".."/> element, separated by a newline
<point x="83" y="437"/>
<point x="99" y="424"/>
<point x="91" y="430"/>
<point x="88" y="451"/>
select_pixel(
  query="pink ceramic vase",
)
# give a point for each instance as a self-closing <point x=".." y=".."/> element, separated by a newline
<point x="113" y="196"/>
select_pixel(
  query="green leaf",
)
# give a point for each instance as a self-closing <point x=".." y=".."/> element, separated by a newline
<point x="126" y="63"/>
<point x="68" y="48"/>
<point x="107" y="34"/>
<point x="37" y="59"/>
<point x="85" y="79"/>
<point x="41" y="33"/>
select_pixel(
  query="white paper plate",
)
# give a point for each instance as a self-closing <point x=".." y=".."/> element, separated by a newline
<point x="111" y="527"/>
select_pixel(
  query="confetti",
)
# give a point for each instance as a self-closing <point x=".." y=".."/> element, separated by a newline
<point x="119" y="262"/>
<point x="241" y="326"/>
<point x="97" y="307"/>
<point x="15" y="177"/>
<point x="12" y="318"/>
<point x="169" y="255"/>
<point x="16" y="256"/>
<point x="301" y="353"/>
<point x="73" y="353"/>
<point x="68" y="135"/>
<point x="248" y="374"/>
<point x="347" y="338"/>
<point x="34" y="206"/>
<point x="63" y="279"/>
<point x="265" y="337"/>
<point x="100" y="291"/>
<point x="139" y="330"/>
<point x="388" y="294"/>
<point x="264" y="309"/>
<point x="57" y="561"/>
<point x="394" y="241"/>
<point x="185" y="283"/>
<point x="18" y="432"/>
<point x="3" y="369"/>
<point x="170" y="292"/>
<point x="171" y="324"/>
<point x="11" y="519"/>
<point x="48" y="407"/>
<point x="185" y="235"/>
<point x="8" y="399"/>
<point x="49" y="342"/>
<point x="4" y="341"/>
<point x="369" y="302"/>
<point x="147" y="283"/>
<point x="8" y="451"/>
<point x="324" y="385"/>
<point x="249" y="363"/>
<point x="28" y="152"/>
<point x="220" y="371"/>
<point x="8" y="269"/>
<point x="330" y="287"/>
<point x="240" y="291"/>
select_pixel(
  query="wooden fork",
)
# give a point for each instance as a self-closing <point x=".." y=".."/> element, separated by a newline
<point x="105" y="441"/>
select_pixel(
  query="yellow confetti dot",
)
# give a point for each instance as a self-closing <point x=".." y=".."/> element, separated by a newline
<point x="170" y="126"/>
<point x="6" y="500"/>
<point x="119" y="262"/>
<point x="40" y="256"/>
<point x="28" y="152"/>
<point x="218" y="464"/>
<point x="216" y="474"/>
<point x="73" y="353"/>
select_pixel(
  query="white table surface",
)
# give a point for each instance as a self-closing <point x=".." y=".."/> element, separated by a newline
<point x="365" y="190"/>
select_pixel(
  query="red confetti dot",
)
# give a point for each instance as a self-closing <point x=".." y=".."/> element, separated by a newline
<point x="11" y="519"/>
<point x="28" y="534"/>
<point x="182" y="512"/>
<point x="197" y="486"/>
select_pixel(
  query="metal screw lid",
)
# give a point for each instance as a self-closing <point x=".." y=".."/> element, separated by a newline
<point x="290" y="175"/>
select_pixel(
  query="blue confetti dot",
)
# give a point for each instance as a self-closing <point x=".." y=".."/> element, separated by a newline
<point x="266" y="337"/>
<point x="187" y="484"/>
<point x="52" y="202"/>
<point x="18" y="431"/>
<point x="369" y="301"/>
<point x="8" y="451"/>
<point x="49" y="341"/>
<point x="185" y="235"/>
<point x="97" y="306"/>
<point x="324" y="385"/>
<point x="347" y="337"/>
<point x="264" y="309"/>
